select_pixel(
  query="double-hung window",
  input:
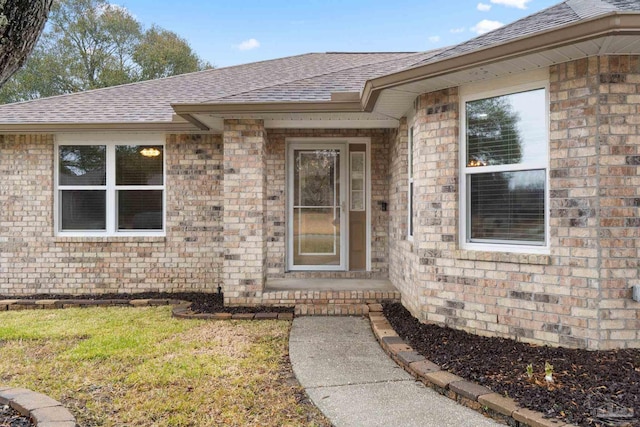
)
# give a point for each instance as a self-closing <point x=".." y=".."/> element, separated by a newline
<point x="504" y="182"/>
<point x="110" y="187"/>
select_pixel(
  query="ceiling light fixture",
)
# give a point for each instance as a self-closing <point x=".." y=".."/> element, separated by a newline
<point x="150" y="152"/>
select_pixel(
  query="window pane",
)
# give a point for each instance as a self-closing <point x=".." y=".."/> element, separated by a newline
<point x="82" y="165"/>
<point x="508" y="206"/>
<point x="139" y="164"/>
<point x="507" y="129"/>
<point x="411" y="208"/>
<point x="83" y="210"/>
<point x="316" y="181"/>
<point x="140" y="210"/>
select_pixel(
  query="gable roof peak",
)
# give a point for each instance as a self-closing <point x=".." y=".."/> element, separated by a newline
<point x="589" y="8"/>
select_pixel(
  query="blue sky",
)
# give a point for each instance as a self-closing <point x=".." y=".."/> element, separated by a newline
<point x="229" y="33"/>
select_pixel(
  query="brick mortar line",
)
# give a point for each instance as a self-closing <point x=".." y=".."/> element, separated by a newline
<point x="467" y="393"/>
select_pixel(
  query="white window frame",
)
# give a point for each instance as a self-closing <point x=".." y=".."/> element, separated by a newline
<point x="111" y="205"/>
<point x="489" y="90"/>
<point x="411" y="188"/>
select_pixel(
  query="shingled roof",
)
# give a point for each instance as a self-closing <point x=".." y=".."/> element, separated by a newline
<point x="308" y="77"/>
<point x="305" y="78"/>
<point x="568" y="12"/>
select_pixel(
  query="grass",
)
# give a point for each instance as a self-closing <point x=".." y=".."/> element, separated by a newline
<point x="140" y="367"/>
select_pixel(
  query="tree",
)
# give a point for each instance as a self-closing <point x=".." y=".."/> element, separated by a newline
<point x="91" y="44"/>
<point x="162" y="53"/>
<point x="492" y="133"/>
<point x="21" y="22"/>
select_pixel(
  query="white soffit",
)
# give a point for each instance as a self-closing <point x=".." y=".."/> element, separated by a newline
<point x="356" y="120"/>
<point x="394" y="102"/>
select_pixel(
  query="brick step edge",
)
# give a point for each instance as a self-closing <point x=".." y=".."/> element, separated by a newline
<point x="181" y="309"/>
<point x="467" y="393"/>
<point x="40" y="408"/>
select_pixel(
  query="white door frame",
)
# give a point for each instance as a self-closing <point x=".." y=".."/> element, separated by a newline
<point x="343" y="145"/>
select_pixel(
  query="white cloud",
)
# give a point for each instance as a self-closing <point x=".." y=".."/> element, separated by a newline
<point x="485" y="26"/>
<point x="520" y="4"/>
<point x="457" y="30"/>
<point x="249" y="44"/>
<point x="434" y="39"/>
<point x="482" y="7"/>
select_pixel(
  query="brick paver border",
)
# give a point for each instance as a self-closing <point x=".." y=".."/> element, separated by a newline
<point x="465" y="392"/>
<point x="41" y="409"/>
<point x="181" y="309"/>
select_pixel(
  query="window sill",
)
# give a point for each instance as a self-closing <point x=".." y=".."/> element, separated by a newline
<point x="509" y="257"/>
<point x="110" y="239"/>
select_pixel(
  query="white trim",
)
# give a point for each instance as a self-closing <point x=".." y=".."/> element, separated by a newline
<point x="342" y="203"/>
<point x="319" y="142"/>
<point x="410" y="189"/>
<point x="110" y="140"/>
<point x="368" y="180"/>
<point x="481" y="90"/>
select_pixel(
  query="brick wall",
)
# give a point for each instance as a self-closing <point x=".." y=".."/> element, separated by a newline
<point x="276" y="199"/>
<point x="33" y="260"/>
<point x="403" y="261"/>
<point x="579" y="295"/>
<point x="619" y="190"/>
<point x="245" y="196"/>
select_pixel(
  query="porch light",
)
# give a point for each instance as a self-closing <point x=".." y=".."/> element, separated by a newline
<point x="150" y="152"/>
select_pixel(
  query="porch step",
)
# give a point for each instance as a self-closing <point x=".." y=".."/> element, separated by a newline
<point x="331" y="309"/>
<point x="329" y="297"/>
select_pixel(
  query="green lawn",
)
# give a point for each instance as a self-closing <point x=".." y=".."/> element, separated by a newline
<point x="140" y="367"/>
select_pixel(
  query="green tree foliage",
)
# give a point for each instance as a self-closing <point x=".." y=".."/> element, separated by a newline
<point x="492" y="132"/>
<point x="90" y="44"/>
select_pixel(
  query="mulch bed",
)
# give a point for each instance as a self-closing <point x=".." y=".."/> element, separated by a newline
<point x="590" y="388"/>
<point x="11" y="418"/>
<point x="201" y="302"/>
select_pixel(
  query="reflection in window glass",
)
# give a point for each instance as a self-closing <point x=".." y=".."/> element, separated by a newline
<point x="139" y="164"/>
<point x="82" y="165"/>
<point x="507" y="129"/>
<point x="508" y="206"/>
<point x="83" y="210"/>
<point x="315" y="178"/>
<point x="140" y="210"/>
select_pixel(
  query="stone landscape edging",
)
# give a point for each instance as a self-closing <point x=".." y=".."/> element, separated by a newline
<point x="467" y="393"/>
<point x="180" y="308"/>
<point x="40" y="408"/>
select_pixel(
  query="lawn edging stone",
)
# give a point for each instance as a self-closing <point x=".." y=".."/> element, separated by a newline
<point x="181" y="309"/>
<point x="40" y="408"/>
<point x="467" y="393"/>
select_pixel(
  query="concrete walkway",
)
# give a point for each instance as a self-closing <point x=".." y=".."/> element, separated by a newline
<point x="354" y="383"/>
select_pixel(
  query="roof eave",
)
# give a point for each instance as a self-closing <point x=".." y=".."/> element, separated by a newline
<point x="42" y="128"/>
<point x="186" y="110"/>
<point x="614" y="23"/>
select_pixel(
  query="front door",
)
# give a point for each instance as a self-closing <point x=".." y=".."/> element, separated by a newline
<point x="317" y="193"/>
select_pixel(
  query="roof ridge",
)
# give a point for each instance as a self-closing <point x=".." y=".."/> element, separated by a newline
<point x="468" y="41"/>
<point x="313" y="76"/>
<point x="142" y="82"/>
<point x="590" y="8"/>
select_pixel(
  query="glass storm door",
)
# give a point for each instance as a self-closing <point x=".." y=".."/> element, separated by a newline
<point x="316" y="202"/>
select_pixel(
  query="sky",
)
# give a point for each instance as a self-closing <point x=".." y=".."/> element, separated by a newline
<point x="228" y="32"/>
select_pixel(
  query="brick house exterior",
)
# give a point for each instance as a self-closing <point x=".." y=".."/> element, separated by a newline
<point x="227" y="186"/>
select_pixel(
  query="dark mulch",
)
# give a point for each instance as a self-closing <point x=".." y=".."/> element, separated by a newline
<point x="201" y="302"/>
<point x="11" y="418"/>
<point x="590" y="388"/>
